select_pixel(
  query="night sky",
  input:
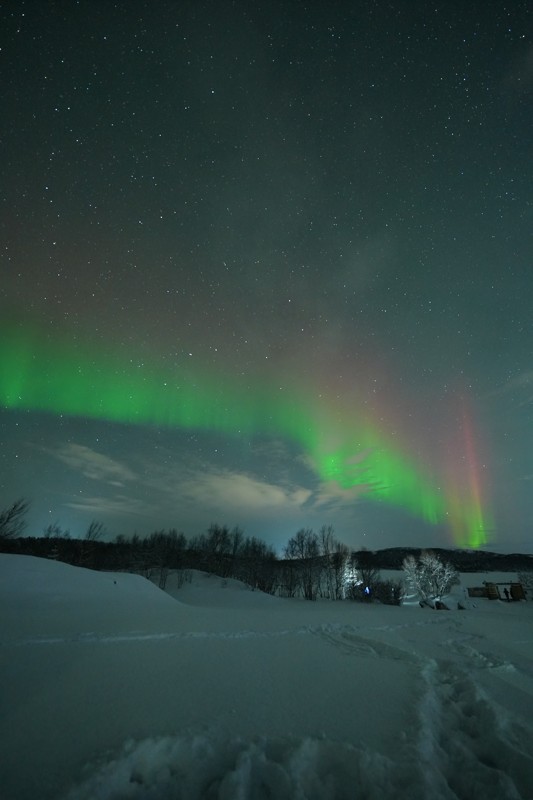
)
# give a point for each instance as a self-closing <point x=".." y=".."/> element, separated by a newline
<point x="269" y="265"/>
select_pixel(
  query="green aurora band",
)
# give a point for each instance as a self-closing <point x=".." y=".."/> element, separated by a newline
<point x="37" y="374"/>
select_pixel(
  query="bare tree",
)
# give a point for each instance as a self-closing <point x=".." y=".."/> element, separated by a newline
<point x="304" y="548"/>
<point x="236" y="541"/>
<point x="339" y="559"/>
<point x="55" y="531"/>
<point x="95" y="531"/>
<point x="256" y="564"/>
<point x="213" y="550"/>
<point x="363" y="576"/>
<point x="12" y="519"/>
<point x="162" y="551"/>
<point x="334" y="556"/>
<point x="290" y="578"/>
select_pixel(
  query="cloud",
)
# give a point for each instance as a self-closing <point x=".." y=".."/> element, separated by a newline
<point x="119" y="504"/>
<point x="238" y="490"/>
<point x="332" y="495"/>
<point x="94" y="465"/>
<point x="235" y="490"/>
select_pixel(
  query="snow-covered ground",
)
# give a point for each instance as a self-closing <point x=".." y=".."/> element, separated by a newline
<point x="112" y="688"/>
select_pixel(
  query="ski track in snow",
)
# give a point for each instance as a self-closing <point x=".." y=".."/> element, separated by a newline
<point x="92" y="637"/>
<point x="466" y="748"/>
<point x="139" y="636"/>
<point x="462" y="747"/>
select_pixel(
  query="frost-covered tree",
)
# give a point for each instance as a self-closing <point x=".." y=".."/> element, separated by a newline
<point x="430" y="577"/>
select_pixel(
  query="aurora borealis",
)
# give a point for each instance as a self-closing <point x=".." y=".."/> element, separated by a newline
<point x="55" y="378"/>
<point x="271" y="267"/>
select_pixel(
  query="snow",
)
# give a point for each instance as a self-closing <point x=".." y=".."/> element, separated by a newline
<point x="112" y="688"/>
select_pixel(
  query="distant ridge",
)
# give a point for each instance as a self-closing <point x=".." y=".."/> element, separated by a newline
<point x="463" y="560"/>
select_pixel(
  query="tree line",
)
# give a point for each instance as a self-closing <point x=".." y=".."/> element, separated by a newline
<point x="312" y="565"/>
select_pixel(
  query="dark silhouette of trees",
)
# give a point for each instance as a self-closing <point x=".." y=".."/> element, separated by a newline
<point x="334" y="555"/>
<point x="363" y="576"/>
<point x="213" y="550"/>
<point x="95" y="531"/>
<point x="303" y="549"/>
<point x="164" y="551"/>
<point x="12" y="519"/>
<point x="255" y="563"/>
<point x="55" y="531"/>
<point x="312" y="566"/>
<point x="315" y="565"/>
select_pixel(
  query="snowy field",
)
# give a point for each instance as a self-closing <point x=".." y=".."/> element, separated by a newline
<point x="112" y="688"/>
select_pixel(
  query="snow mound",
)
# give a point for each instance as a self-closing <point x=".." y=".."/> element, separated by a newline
<point x="217" y="769"/>
<point x="204" y="589"/>
<point x="39" y="596"/>
<point x="30" y="576"/>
